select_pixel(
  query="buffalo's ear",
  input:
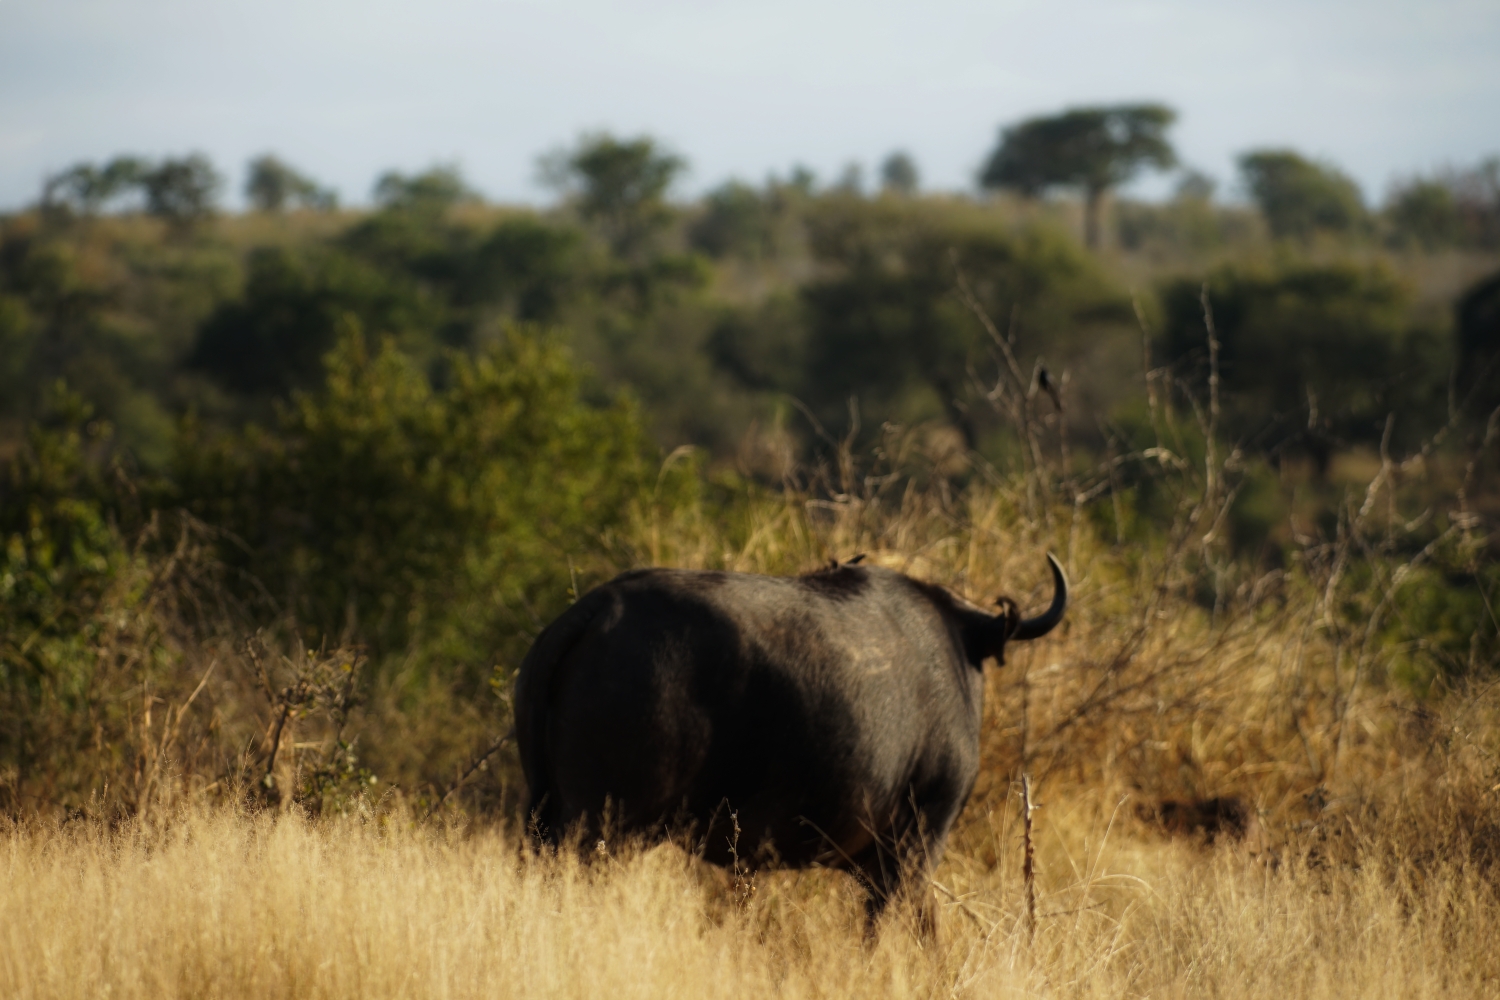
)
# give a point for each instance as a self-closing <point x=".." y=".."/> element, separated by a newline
<point x="1009" y="617"/>
<point x="1005" y="625"/>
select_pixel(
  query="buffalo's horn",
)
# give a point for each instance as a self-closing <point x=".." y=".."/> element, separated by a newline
<point x="1035" y="628"/>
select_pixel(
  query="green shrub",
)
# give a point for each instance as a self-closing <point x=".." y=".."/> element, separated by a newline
<point x="273" y="339"/>
<point x="885" y="321"/>
<point x="418" y="518"/>
<point x="1311" y="356"/>
<point x="72" y="593"/>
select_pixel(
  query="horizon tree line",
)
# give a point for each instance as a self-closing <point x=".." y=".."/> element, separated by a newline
<point x="621" y="185"/>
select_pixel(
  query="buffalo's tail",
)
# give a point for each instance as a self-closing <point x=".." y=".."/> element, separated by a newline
<point x="533" y="702"/>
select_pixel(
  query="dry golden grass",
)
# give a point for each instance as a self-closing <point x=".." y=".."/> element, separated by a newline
<point x="1373" y="869"/>
<point x="220" y="904"/>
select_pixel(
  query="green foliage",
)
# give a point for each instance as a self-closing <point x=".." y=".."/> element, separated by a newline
<point x="1258" y="517"/>
<point x="737" y="220"/>
<point x="430" y="193"/>
<point x="59" y="543"/>
<point x="762" y="349"/>
<point x="414" y="517"/>
<point x="411" y="244"/>
<point x="15" y="341"/>
<point x="1424" y="213"/>
<point x="86" y="189"/>
<point x="527" y="267"/>
<point x="1311" y="357"/>
<point x="68" y="586"/>
<point x="1185" y="227"/>
<point x="886" y="325"/>
<point x="273" y="339"/>
<point x="1093" y="149"/>
<point x="60" y="317"/>
<point x="1443" y="625"/>
<point x="273" y="186"/>
<point x="620" y="186"/>
<point x="817" y="296"/>
<point x="1452" y="208"/>
<point x="182" y="191"/>
<point x="1300" y="198"/>
<point x="898" y="174"/>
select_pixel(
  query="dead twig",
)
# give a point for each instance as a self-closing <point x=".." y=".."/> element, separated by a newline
<point x="474" y="765"/>
<point x="1028" y="866"/>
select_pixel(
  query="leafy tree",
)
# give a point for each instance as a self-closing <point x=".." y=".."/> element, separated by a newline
<point x="526" y="266"/>
<point x="431" y="192"/>
<point x="1299" y="197"/>
<point x="182" y="191"/>
<point x="86" y="188"/>
<point x="618" y="185"/>
<point x="883" y="322"/>
<point x="762" y="349"/>
<point x="273" y="186"/>
<point x="80" y="188"/>
<point x="1311" y="357"/>
<point x="1424" y="213"/>
<point x="435" y="520"/>
<point x="65" y="596"/>
<point x="1094" y="149"/>
<point x="273" y="339"/>
<point x="17" y="340"/>
<point x="112" y="310"/>
<point x="802" y="180"/>
<point x="1453" y="207"/>
<point x="415" y="235"/>
<point x="899" y="173"/>
<point x="736" y="219"/>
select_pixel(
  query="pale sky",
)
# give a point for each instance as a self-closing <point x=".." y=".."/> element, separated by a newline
<point x="345" y="90"/>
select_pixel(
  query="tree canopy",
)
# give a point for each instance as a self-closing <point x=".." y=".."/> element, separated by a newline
<point x="1094" y="149"/>
<point x="433" y="191"/>
<point x="899" y="173"/>
<point x="273" y="186"/>
<point x="619" y="185"/>
<point x="1299" y="197"/>
<point x="87" y="189"/>
<point x="1312" y="356"/>
<point x="181" y="190"/>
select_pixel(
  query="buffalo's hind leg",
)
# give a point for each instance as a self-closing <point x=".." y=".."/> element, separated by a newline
<point x="895" y="867"/>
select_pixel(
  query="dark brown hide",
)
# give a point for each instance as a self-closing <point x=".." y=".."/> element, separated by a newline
<point x="835" y="715"/>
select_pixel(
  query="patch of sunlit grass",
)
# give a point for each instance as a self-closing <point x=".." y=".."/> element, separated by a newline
<point x="226" y="904"/>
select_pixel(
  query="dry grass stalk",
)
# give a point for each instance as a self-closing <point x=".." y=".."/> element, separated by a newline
<point x="1028" y="865"/>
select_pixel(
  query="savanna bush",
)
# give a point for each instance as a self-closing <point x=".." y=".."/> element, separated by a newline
<point x="78" y="624"/>
<point x="419" y="514"/>
<point x="1312" y="356"/>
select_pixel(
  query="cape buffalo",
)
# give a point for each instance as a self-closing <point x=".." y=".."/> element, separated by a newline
<point x="828" y="719"/>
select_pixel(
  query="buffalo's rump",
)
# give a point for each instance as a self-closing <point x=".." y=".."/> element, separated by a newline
<point x="819" y="712"/>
